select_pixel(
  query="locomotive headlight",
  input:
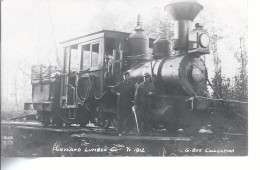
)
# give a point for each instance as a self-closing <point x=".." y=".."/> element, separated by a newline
<point x="204" y="40"/>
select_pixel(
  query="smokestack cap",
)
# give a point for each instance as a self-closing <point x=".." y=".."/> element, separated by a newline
<point x="184" y="10"/>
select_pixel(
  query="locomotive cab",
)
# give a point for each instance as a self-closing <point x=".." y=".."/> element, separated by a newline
<point x="92" y="64"/>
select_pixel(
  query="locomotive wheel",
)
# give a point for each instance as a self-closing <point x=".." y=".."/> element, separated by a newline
<point x="45" y="123"/>
<point x="58" y="120"/>
<point x="59" y="124"/>
<point x="82" y="124"/>
<point x="55" y="116"/>
<point x="192" y="122"/>
<point x="44" y="118"/>
<point x="67" y="124"/>
<point x="114" y="123"/>
<point x="170" y="127"/>
<point x="104" y="123"/>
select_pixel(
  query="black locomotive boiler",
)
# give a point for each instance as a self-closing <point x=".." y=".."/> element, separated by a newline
<point x="81" y="91"/>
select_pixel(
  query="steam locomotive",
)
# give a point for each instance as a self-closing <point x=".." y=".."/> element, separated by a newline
<point x="80" y="92"/>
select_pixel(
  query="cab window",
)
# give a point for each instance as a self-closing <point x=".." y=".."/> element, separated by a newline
<point x="74" y="61"/>
<point x="90" y="56"/>
<point x="95" y="55"/>
<point x="86" y="63"/>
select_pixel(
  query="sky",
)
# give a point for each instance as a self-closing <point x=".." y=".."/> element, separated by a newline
<point x="31" y="26"/>
<point x="32" y="29"/>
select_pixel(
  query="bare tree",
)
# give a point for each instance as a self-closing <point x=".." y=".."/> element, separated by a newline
<point x="215" y="34"/>
<point x="162" y="26"/>
<point x="241" y="55"/>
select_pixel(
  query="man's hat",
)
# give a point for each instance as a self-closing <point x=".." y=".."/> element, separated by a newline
<point x="147" y="75"/>
<point x="126" y="73"/>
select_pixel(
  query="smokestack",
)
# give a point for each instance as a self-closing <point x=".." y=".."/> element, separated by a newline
<point x="183" y="13"/>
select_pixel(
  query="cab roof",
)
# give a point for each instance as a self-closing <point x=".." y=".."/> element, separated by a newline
<point x="94" y="35"/>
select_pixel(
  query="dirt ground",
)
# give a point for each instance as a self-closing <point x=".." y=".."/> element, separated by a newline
<point x="29" y="143"/>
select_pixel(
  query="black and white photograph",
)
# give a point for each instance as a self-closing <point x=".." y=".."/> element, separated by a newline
<point x="124" y="78"/>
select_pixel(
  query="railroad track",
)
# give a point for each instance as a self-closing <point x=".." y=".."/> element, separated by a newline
<point x="93" y="132"/>
<point x="39" y="127"/>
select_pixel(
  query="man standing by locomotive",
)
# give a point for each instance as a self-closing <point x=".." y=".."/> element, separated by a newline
<point x="125" y="91"/>
<point x="141" y="101"/>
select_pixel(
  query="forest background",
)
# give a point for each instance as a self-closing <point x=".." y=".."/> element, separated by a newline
<point x="32" y="30"/>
